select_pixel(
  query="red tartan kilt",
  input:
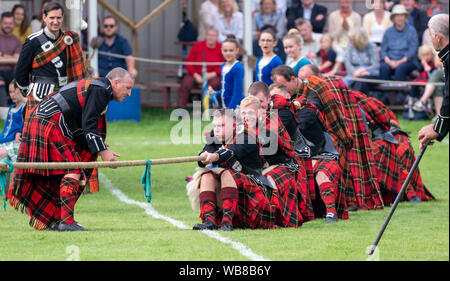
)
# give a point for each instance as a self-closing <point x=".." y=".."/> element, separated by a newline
<point x="333" y="171"/>
<point x="388" y="170"/>
<point x="255" y="210"/>
<point x="305" y="179"/>
<point x="43" y="141"/>
<point x="37" y="191"/>
<point x="287" y="213"/>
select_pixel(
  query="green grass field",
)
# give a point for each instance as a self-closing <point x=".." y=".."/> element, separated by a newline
<point x="132" y="230"/>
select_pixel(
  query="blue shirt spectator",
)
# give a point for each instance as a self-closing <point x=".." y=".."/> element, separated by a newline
<point x="397" y="44"/>
<point x="115" y="44"/>
<point x="263" y="71"/>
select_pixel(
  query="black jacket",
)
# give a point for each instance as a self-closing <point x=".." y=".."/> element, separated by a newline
<point x="444" y="56"/>
<point x="296" y="11"/>
<point x="30" y="49"/>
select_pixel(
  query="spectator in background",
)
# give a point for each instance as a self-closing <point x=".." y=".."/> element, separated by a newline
<point x="361" y="60"/>
<point x="311" y="40"/>
<point x="21" y="28"/>
<point x="417" y="18"/>
<point x="340" y="23"/>
<point x="37" y="23"/>
<point x="278" y="50"/>
<point x="326" y="54"/>
<point x="208" y="50"/>
<point x="376" y="22"/>
<point x="11" y="135"/>
<point x="399" y="47"/>
<point x="306" y="9"/>
<point x="10" y="48"/>
<point x="269" y="15"/>
<point x="269" y="60"/>
<point x="115" y="44"/>
<point x="281" y="6"/>
<point x="432" y="90"/>
<point x="207" y="15"/>
<point x="230" y="20"/>
<point x="293" y="48"/>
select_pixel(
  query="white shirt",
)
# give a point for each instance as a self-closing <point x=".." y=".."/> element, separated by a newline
<point x="377" y="30"/>
<point x="207" y="15"/>
<point x="235" y="26"/>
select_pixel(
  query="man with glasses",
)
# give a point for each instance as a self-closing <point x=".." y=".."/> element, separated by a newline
<point x="115" y="44"/>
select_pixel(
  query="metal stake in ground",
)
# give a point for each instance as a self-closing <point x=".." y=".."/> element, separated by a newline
<point x="397" y="200"/>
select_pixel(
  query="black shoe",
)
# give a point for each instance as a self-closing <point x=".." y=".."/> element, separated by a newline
<point x="352" y="208"/>
<point x="206" y="225"/>
<point x="71" y="227"/>
<point x="54" y="227"/>
<point x="415" y="200"/>
<point x="226" y="227"/>
<point x="331" y="218"/>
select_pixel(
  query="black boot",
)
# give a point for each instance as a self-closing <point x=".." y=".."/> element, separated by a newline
<point x="226" y="227"/>
<point x="206" y="225"/>
<point x="71" y="227"/>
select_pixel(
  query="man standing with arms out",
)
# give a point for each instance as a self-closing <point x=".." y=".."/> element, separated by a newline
<point x="115" y="44"/>
<point x="50" y="58"/>
<point x="10" y="48"/>
<point x="438" y="26"/>
<point x="68" y="126"/>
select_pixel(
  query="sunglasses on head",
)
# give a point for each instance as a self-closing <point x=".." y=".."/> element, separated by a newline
<point x="109" y="25"/>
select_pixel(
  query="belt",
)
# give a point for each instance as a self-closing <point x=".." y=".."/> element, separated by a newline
<point x="60" y="81"/>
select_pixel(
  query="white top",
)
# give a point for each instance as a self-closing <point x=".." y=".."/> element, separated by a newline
<point x="377" y="30"/>
<point x="207" y="15"/>
<point x="235" y="26"/>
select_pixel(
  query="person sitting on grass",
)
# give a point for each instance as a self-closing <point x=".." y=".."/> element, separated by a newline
<point x="235" y="177"/>
<point x="11" y="135"/>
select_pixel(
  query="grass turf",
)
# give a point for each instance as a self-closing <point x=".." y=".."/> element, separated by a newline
<point x="126" y="232"/>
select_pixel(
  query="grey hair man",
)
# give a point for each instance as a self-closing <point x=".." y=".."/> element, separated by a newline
<point x="439" y="32"/>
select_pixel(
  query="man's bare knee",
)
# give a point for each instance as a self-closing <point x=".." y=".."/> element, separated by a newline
<point x="321" y="178"/>
<point x="226" y="179"/>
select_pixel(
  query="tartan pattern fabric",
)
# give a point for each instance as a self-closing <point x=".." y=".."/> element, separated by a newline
<point x="378" y="113"/>
<point x="208" y="205"/>
<point x="388" y="170"/>
<point x="76" y="63"/>
<point x="68" y="195"/>
<point x="287" y="212"/>
<point x="405" y="153"/>
<point x="327" y="193"/>
<point x="334" y="173"/>
<point x="333" y="109"/>
<point x="275" y="126"/>
<point x="254" y="208"/>
<point x="305" y="179"/>
<point x="229" y="197"/>
<point x="362" y="188"/>
<point x="37" y="191"/>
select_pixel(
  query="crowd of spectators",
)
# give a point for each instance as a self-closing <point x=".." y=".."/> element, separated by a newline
<point x="381" y="42"/>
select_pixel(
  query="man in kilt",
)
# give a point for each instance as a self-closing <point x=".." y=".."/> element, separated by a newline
<point x="69" y="126"/>
<point x="325" y="170"/>
<point x="393" y="152"/>
<point x="362" y="190"/>
<point x="50" y="58"/>
<point x="232" y="173"/>
<point x="283" y="168"/>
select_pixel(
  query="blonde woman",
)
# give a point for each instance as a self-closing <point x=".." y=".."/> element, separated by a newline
<point x="376" y="22"/>
<point x="292" y="43"/>
<point x="230" y="20"/>
<point x="361" y="59"/>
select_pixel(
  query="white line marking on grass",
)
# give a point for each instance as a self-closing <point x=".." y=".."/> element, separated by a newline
<point x="149" y="210"/>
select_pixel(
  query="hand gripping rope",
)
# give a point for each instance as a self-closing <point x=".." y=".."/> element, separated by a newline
<point x="7" y="166"/>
